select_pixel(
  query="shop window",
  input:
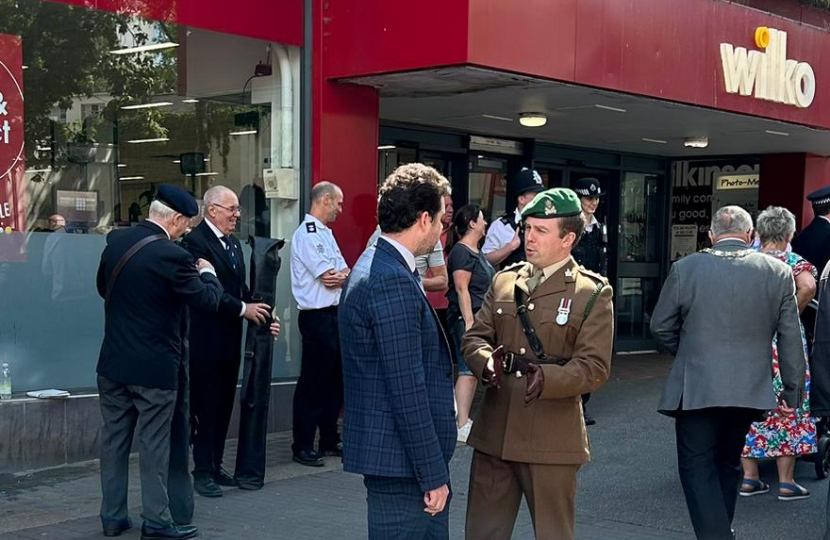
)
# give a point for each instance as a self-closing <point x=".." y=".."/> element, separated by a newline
<point x="114" y="106"/>
<point x="488" y="185"/>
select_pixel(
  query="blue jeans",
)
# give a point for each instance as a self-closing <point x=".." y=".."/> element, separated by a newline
<point x="457" y="331"/>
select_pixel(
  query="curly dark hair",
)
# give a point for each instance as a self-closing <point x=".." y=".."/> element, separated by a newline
<point x="407" y="193"/>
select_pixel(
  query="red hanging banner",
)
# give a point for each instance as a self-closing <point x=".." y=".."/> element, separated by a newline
<point x="12" y="160"/>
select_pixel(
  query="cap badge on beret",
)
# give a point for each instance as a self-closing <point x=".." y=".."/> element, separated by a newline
<point x="549" y="208"/>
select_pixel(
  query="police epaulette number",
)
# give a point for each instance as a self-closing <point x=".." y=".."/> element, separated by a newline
<point x="311" y="227"/>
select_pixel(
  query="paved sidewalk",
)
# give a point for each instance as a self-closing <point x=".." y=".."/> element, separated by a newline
<point x="628" y="492"/>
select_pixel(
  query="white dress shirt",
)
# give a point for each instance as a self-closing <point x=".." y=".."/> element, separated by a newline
<point x="225" y="243"/>
<point x="314" y="251"/>
<point x="500" y="234"/>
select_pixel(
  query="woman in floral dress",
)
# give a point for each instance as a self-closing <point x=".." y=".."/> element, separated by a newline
<point x="782" y="436"/>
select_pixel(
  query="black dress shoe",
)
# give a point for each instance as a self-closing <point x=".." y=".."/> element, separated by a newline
<point x="224" y="478"/>
<point x="206" y="487"/>
<point x="175" y="532"/>
<point x="308" y="458"/>
<point x="336" y="451"/>
<point x="115" y="528"/>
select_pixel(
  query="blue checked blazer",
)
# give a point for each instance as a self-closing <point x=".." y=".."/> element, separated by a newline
<point x="399" y="418"/>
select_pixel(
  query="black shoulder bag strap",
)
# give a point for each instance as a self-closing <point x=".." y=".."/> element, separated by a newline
<point x="123" y="261"/>
<point x="527" y="326"/>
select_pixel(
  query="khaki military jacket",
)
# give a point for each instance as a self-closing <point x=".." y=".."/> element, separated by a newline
<point x="550" y="430"/>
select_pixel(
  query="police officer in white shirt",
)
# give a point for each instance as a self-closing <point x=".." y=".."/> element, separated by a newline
<point x="504" y="244"/>
<point x="318" y="272"/>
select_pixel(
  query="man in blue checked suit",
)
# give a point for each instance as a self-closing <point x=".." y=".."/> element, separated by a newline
<point x="399" y="426"/>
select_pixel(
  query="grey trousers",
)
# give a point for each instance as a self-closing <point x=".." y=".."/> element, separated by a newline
<point x="123" y="408"/>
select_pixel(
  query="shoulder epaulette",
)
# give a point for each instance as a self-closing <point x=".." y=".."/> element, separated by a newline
<point x="593" y="275"/>
<point x="514" y="267"/>
<point x="311" y="227"/>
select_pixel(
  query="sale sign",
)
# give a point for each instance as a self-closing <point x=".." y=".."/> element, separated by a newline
<point x="12" y="162"/>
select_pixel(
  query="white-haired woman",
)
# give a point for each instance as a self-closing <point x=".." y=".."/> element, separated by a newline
<point x="782" y="436"/>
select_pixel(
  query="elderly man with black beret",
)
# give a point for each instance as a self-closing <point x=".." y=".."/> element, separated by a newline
<point x="542" y="339"/>
<point x="147" y="282"/>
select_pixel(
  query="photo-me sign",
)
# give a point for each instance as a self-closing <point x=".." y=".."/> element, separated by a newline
<point x="770" y="74"/>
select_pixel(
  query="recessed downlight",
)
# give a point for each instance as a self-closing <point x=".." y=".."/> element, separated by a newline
<point x="533" y="119"/>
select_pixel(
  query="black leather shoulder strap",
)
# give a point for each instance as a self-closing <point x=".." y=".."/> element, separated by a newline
<point x="123" y="261"/>
<point x="527" y="326"/>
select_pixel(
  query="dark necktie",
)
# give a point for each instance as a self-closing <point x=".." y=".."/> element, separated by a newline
<point x="417" y="277"/>
<point x="231" y="252"/>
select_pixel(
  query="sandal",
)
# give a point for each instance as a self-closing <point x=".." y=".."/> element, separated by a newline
<point x="750" y="488"/>
<point x="796" y="492"/>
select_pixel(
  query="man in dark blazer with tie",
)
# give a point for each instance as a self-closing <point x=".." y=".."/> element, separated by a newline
<point x="721" y="381"/>
<point x="216" y="339"/>
<point x="399" y="426"/>
<point x="813" y="243"/>
<point x="148" y="282"/>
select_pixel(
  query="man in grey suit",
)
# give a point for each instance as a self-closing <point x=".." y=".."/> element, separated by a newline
<point x="717" y="314"/>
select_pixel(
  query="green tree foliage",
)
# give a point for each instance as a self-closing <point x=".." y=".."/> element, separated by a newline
<point x="67" y="51"/>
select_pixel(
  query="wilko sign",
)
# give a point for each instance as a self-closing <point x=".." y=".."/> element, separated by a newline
<point x="768" y="75"/>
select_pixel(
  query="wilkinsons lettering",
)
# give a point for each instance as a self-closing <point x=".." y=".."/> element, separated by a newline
<point x="770" y="74"/>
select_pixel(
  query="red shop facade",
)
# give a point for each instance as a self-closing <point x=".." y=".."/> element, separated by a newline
<point x="677" y="107"/>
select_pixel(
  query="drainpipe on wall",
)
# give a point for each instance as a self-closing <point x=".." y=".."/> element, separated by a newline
<point x="286" y="108"/>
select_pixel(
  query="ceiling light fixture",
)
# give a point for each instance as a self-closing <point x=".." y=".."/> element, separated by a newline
<point x="656" y="141"/>
<point x="609" y="108"/>
<point x="781" y="133"/>
<point x="121" y="165"/>
<point x="191" y="100"/>
<point x="387" y="147"/>
<point x="696" y="142"/>
<point x="206" y="174"/>
<point x="248" y="132"/>
<point x="140" y="141"/>
<point x="132" y="178"/>
<point x="533" y="119"/>
<point x="146" y="105"/>
<point x="33" y="171"/>
<point x="177" y="161"/>
<point x="146" y="48"/>
<point x="494" y="117"/>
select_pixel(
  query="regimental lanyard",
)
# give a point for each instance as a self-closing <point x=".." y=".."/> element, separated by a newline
<point x="564" y="311"/>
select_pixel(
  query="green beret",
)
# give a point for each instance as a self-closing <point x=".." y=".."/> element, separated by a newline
<point x="553" y="203"/>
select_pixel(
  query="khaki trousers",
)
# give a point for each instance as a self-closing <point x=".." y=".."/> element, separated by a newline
<point x="496" y="489"/>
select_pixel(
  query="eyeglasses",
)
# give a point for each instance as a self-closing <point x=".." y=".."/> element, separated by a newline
<point x="231" y="209"/>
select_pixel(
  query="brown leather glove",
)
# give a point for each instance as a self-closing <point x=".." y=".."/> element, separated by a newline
<point x="535" y="382"/>
<point x="492" y="375"/>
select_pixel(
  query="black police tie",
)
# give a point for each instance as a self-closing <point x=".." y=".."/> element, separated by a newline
<point x="231" y="252"/>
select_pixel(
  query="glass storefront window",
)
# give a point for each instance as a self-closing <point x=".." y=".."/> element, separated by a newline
<point x="639" y="215"/>
<point x="115" y="105"/>
<point x="488" y="185"/>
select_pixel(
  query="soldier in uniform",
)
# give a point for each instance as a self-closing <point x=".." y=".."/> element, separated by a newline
<point x="504" y="244"/>
<point x="530" y="437"/>
<point x="591" y="250"/>
<point x="813" y="243"/>
<point x="318" y="271"/>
